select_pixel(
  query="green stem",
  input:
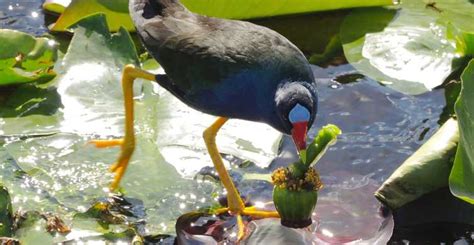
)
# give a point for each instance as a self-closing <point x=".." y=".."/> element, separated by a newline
<point x="326" y="137"/>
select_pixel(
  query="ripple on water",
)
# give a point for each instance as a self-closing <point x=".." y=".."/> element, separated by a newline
<point x="381" y="127"/>
<point x="23" y="16"/>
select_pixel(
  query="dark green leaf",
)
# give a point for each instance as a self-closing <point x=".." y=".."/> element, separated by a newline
<point x="461" y="180"/>
<point x="28" y="100"/>
<point x="6" y="218"/>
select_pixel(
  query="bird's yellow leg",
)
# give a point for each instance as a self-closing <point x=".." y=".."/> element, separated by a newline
<point x="235" y="203"/>
<point x="127" y="144"/>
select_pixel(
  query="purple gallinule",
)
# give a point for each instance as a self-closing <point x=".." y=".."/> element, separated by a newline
<point x="226" y="68"/>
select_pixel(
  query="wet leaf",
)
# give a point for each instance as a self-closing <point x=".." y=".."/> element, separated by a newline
<point x="423" y="172"/>
<point x="412" y="53"/>
<point x="461" y="180"/>
<point x="117" y="13"/>
<point x="89" y="80"/>
<point x="25" y="59"/>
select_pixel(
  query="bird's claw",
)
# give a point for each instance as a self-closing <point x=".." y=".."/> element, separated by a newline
<point x="247" y="211"/>
<point x="119" y="167"/>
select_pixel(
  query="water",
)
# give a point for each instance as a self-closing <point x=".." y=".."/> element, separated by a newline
<point x="381" y="128"/>
<point x="22" y="15"/>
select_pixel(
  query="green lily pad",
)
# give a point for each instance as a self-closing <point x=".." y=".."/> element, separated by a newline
<point x="461" y="180"/>
<point x="117" y="13"/>
<point x="25" y="59"/>
<point x="413" y="53"/>
<point x="89" y="81"/>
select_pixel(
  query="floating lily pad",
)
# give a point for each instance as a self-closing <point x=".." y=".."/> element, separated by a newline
<point x="89" y="81"/>
<point x="25" y="59"/>
<point x="412" y="53"/>
<point x="461" y="180"/>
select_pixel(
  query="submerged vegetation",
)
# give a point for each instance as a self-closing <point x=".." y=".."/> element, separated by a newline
<point x="57" y="92"/>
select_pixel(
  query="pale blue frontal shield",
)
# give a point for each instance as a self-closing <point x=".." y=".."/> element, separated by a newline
<point x="299" y="113"/>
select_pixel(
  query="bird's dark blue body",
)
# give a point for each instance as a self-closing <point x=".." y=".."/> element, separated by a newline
<point x="226" y="68"/>
<point x="241" y="95"/>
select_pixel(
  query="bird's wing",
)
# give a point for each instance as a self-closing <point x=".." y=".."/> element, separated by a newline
<point x="198" y="51"/>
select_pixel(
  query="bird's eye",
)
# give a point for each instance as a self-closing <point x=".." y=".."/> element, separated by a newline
<point x="299" y="113"/>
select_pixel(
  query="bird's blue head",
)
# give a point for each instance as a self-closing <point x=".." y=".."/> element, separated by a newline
<point x="296" y="104"/>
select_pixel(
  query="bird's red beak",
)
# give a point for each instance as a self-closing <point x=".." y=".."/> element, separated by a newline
<point x="298" y="133"/>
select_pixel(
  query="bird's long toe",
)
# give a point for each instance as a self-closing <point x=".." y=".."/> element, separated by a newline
<point x="247" y="211"/>
<point x="107" y="143"/>
<point x="119" y="167"/>
<point x="254" y="212"/>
